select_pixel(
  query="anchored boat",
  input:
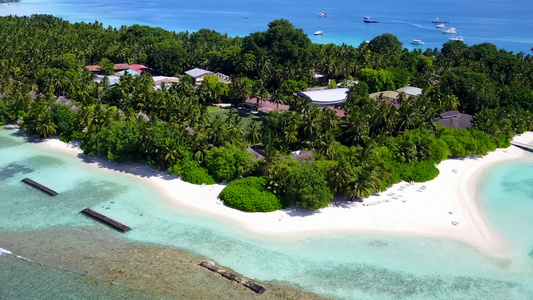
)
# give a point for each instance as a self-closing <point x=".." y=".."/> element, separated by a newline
<point x="450" y="30"/>
<point x="367" y="20"/>
<point x="437" y="20"/>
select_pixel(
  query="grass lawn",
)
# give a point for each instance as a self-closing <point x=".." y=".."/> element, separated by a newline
<point x="246" y="118"/>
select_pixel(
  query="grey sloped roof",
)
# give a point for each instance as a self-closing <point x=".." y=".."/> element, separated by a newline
<point x="144" y="116"/>
<point x="257" y="155"/>
<point x="190" y="130"/>
<point x="302" y="155"/>
<point x="455" y="119"/>
<point x="449" y="114"/>
<point x="62" y="100"/>
<point x="197" y="72"/>
<point x="65" y="101"/>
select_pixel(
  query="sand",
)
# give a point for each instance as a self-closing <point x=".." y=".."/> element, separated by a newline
<point x="444" y="208"/>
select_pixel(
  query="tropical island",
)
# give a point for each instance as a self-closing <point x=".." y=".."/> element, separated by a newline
<point x="272" y="132"/>
<point x="300" y="155"/>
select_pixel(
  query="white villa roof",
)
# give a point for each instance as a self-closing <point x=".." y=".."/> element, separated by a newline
<point x="410" y="90"/>
<point x="326" y="97"/>
<point x="197" y="72"/>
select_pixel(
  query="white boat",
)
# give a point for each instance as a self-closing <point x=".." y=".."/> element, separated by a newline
<point x="440" y="26"/>
<point x="459" y="38"/>
<point x="318" y="33"/>
<point x="417" y="42"/>
<point x="325" y="14"/>
<point x="451" y="30"/>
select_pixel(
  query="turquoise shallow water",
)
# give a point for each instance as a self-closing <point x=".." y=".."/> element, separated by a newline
<point x="341" y="266"/>
<point x="22" y="280"/>
<point x="507" y="24"/>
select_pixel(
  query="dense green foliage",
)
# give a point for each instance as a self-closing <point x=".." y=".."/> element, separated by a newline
<point x="251" y="195"/>
<point x="373" y="146"/>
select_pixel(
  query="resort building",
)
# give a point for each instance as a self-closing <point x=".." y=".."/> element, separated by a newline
<point x="67" y="102"/>
<point x="93" y="68"/>
<point x="121" y="67"/>
<point x="455" y="119"/>
<point x="392" y="97"/>
<point x="410" y="91"/>
<point x="387" y="96"/>
<point x="329" y="97"/>
<point x="198" y="75"/>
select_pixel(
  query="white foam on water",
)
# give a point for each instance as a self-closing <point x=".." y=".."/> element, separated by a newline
<point x="5" y="252"/>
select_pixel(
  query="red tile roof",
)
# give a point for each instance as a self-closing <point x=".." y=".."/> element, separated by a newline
<point x="140" y="68"/>
<point x="93" y="68"/>
<point x="121" y="67"/>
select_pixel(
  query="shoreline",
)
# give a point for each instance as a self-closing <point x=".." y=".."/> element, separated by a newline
<point x="447" y="207"/>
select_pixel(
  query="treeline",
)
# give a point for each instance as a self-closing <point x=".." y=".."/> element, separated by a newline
<point x="374" y="146"/>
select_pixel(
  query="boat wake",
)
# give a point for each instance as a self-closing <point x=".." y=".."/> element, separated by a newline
<point x="414" y="25"/>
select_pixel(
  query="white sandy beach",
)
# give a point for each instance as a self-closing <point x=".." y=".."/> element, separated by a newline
<point x="446" y="207"/>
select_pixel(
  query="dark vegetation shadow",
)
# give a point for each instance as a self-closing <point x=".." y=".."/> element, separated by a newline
<point x="299" y="212"/>
<point x="139" y="169"/>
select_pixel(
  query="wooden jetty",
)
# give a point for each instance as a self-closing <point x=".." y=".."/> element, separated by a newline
<point x="108" y="221"/>
<point x="39" y="187"/>
<point x="522" y="146"/>
<point x="232" y="276"/>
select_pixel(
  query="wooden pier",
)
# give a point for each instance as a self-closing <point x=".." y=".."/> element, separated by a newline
<point x="39" y="187"/>
<point x="522" y="146"/>
<point x="232" y="276"/>
<point x="108" y="221"/>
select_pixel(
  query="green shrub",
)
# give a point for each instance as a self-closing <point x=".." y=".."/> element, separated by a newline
<point x="191" y="171"/>
<point x="250" y="195"/>
<point x="228" y="162"/>
<point x="420" y="172"/>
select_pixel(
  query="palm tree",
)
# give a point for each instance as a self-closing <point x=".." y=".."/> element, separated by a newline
<point x="365" y="184"/>
<point x="450" y="102"/>
<point x="253" y="135"/>
<point x="46" y="128"/>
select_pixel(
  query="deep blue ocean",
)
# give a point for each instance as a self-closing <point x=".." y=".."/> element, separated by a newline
<point x="505" y="23"/>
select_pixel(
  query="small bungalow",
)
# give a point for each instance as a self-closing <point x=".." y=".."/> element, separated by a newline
<point x="140" y="68"/>
<point x="387" y="96"/>
<point x="257" y="155"/>
<point x="93" y="68"/>
<point x="301" y="155"/>
<point x="198" y="74"/>
<point x="329" y="97"/>
<point x="67" y="102"/>
<point x="410" y="91"/>
<point x="455" y="119"/>
<point x="120" y="67"/>
<point x="144" y="116"/>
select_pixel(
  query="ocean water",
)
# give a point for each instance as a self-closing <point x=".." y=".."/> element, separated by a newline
<point x="507" y="24"/>
<point x="347" y="266"/>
